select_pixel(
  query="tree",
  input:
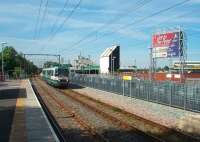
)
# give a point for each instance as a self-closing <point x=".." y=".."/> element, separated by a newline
<point x="9" y="55"/>
<point x="50" y="64"/>
<point x="15" y="63"/>
<point x="166" y="68"/>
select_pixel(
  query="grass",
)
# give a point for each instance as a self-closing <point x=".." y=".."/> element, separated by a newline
<point x="116" y="109"/>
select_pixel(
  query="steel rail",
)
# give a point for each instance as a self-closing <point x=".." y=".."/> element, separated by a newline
<point x="58" y="130"/>
<point x="85" y="125"/>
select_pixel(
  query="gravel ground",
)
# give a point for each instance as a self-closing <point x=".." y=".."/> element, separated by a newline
<point x="110" y="131"/>
<point x="164" y="115"/>
<point x="70" y="128"/>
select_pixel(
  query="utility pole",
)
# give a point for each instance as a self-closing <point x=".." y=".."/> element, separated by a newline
<point x="2" y="60"/>
<point x="59" y="59"/>
<point x="89" y="63"/>
<point x="111" y="62"/>
<point x="135" y="67"/>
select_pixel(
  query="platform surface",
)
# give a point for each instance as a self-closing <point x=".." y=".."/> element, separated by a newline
<point x="21" y="117"/>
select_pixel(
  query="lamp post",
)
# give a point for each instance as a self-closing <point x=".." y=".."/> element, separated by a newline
<point x="113" y="64"/>
<point x="135" y="67"/>
<point x="2" y="60"/>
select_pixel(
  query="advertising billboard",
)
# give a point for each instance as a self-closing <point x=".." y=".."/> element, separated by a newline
<point x="166" y="45"/>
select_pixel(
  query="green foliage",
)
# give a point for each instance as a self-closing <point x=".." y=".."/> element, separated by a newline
<point x="166" y="68"/>
<point x="49" y="64"/>
<point x="15" y="63"/>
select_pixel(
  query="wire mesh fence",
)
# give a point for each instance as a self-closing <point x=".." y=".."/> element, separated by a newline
<point x="181" y="95"/>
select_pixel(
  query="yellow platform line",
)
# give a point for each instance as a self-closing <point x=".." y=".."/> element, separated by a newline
<point x="18" y="129"/>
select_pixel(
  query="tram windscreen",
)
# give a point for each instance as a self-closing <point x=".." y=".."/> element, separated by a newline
<point x="62" y="72"/>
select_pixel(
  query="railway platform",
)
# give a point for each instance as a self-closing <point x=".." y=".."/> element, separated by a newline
<point x="22" y="118"/>
<point x="186" y="121"/>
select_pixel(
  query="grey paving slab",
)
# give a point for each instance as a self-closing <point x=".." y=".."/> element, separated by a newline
<point x="6" y="118"/>
<point x="42" y="140"/>
<point x="37" y="126"/>
<point x="9" y="84"/>
<point x="7" y="108"/>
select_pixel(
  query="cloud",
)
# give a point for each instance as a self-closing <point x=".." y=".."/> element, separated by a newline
<point x="138" y="35"/>
<point x="18" y="19"/>
<point x="195" y="1"/>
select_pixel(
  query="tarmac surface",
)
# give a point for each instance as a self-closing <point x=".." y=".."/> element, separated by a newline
<point x="8" y="99"/>
<point x="21" y="116"/>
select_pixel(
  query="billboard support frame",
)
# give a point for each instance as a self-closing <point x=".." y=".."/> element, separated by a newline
<point x="182" y="53"/>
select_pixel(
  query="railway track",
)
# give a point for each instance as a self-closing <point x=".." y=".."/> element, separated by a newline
<point x="58" y="130"/>
<point x="63" y="114"/>
<point x="124" y="126"/>
<point x="153" y="129"/>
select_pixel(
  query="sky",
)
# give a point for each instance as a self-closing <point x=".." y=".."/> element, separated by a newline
<point x="88" y="27"/>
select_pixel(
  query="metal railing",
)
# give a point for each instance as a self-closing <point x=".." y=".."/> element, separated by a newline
<point x="185" y="96"/>
<point x="4" y="77"/>
<point x="7" y="77"/>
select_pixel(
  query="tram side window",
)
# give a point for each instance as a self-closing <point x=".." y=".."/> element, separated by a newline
<point x="49" y="73"/>
<point x="63" y="72"/>
<point x="44" y="72"/>
<point x="56" y="72"/>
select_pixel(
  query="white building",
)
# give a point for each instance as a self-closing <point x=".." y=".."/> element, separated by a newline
<point x="82" y="62"/>
<point x="110" y="59"/>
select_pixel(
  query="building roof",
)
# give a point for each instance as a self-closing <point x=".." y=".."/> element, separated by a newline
<point x="108" y="51"/>
<point x="92" y="67"/>
<point x="187" y="62"/>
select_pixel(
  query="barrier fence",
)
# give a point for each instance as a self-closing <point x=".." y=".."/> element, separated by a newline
<point x="185" y="96"/>
<point x="4" y="77"/>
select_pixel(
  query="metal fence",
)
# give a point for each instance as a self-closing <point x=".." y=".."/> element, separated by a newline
<point x="185" y="96"/>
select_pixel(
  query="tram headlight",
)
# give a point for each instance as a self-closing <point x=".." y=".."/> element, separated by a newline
<point x="56" y="78"/>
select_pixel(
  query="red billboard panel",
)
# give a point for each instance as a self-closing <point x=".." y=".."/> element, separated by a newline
<point x="166" y="45"/>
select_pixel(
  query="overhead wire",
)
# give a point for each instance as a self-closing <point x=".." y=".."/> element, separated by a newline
<point x="147" y="17"/>
<point x="51" y="36"/>
<point x="43" y="17"/>
<point x="139" y="5"/>
<point x="59" y="14"/>
<point x="167" y="20"/>
<point x="65" y="20"/>
<point x="37" y="20"/>
<point x="155" y="14"/>
<point x="56" y="20"/>
<point x="140" y="20"/>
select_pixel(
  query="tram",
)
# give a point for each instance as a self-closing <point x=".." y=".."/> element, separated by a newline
<point x="56" y="76"/>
